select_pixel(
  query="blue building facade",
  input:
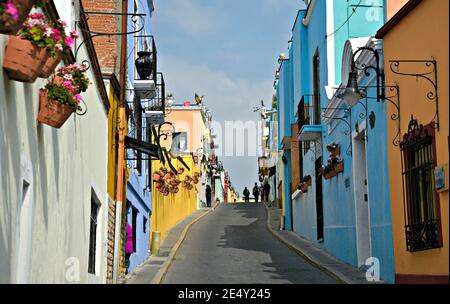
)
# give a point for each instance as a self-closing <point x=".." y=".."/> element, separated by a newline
<point x="139" y="198"/>
<point x="348" y="215"/>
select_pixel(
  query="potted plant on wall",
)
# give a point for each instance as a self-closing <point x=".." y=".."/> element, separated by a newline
<point x="26" y="54"/>
<point x="333" y="148"/>
<point x="62" y="95"/>
<point x="13" y="14"/>
<point x="307" y="180"/>
<point x="59" y="45"/>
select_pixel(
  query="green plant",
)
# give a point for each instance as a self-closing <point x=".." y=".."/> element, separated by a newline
<point x="60" y="94"/>
<point x="46" y="34"/>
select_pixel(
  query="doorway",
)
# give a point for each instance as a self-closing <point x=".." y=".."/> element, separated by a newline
<point x="361" y="196"/>
<point x="319" y="200"/>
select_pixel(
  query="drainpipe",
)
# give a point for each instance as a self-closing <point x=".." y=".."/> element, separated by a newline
<point x="121" y="144"/>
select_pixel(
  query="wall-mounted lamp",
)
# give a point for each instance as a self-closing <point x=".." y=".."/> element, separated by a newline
<point x="352" y="93"/>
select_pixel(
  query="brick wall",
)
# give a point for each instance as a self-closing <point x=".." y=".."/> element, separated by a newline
<point x="107" y="47"/>
<point x="110" y="249"/>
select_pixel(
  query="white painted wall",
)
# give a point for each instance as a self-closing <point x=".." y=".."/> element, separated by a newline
<point x="61" y="167"/>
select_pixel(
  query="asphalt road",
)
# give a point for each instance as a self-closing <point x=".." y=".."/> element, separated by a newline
<point x="232" y="245"/>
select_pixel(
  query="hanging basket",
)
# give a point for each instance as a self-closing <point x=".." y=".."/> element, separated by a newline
<point x="339" y="167"/>
<point x="10" y="26"/>
<point x="51" y="112"/>
<point x="23" y="60"/>
<point x="50" y="65"/>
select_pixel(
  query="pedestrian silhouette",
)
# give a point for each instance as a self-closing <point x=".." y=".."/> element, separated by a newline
<point x="246" y="195"/>
<point x="256" y="192"/>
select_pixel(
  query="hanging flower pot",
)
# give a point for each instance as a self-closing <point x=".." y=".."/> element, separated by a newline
<point x="50" y="65"/>
<point x="307" y="180"/>
<point x="156" y="177"/>
<point x="144" y="65"/>
<point x="52" y="112"/>
<point x="339" y="167"/>
<point x="12" y="15"/>
<point x="303" y="187"/>
<point x="23" y="60"/>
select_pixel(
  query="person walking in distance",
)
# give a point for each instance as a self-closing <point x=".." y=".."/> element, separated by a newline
<point x="256" y="192"/>
<point x="208" y="191"/>
<point x="266" y="191"/>
<point x="246" y="195"/>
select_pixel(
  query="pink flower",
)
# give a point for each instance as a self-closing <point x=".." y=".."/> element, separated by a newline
<point x="12" y="10"/>
<point x="62" y="22"/>
<point x="69" y="41"/>
<point x="48" y="32"/>
<point x="68" y="77"/>
<point x="36" y="16"/>
<point x="78" y="97"/>
<point x="74" y="34"/>
<point x="56" y="34"/>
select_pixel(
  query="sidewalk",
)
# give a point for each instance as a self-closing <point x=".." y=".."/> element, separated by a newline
<point x="341" y="271"/>
<point x="153" y="270"/>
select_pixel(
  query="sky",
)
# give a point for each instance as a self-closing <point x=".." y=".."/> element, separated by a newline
<point x="226" y="50"/>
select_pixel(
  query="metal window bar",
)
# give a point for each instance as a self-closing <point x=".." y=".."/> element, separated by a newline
<point x="422" y="225"/>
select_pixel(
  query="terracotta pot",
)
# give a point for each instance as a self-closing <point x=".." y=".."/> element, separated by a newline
<point x="339" y="167"/>
<point x="304" y="187"/>
<point x="336" y="151"/>
<point x="51" y="112"/>
<point x="10" y="26"/>
<point x="156" y="177"/>
<point x="50" y="65"/>
<point x="23" y="60"/>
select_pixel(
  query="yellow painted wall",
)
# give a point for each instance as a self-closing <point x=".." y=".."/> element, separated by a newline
<point x="113" y="129"/>
<point x="169" y="210"/>
<point x="420" y="35"/>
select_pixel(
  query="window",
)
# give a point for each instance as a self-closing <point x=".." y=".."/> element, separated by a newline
<point x="303" y="119"/>
<point x="422" y="219"/>
<point x="95" y="206"/>
<point x="316" y="88"/>
<point x="144" y="224"/>
<point x="134" y="225"/>
<point x="179" y="142"/>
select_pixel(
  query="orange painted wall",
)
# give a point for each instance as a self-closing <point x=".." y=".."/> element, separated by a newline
<point x="393" y="6"/>
<point x="423" y="33"/>
<point x="186" y="120"/>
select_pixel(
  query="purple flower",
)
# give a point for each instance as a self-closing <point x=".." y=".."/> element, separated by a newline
<point x="78" y="97"/>
<point x="12" y="10"/>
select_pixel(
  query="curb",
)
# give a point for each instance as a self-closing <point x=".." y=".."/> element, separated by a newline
<point x="161" y="274"/>
<point x="308" y="258"/>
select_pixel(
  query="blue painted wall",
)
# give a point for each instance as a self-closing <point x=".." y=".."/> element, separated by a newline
<point x="138" y="195"/>
<point x="338" y="193"/>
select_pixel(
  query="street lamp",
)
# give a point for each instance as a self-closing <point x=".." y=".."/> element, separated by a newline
<point x="352" y="93"/>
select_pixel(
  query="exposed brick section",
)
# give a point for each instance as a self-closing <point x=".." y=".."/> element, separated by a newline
<point x="105" y="46"/>
<point x="110" y="249"/>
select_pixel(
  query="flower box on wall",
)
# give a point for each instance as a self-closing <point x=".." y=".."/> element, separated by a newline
<point x="23" y="60"/>
<point x="52" y="112"/>
<point x="12" y="15"/>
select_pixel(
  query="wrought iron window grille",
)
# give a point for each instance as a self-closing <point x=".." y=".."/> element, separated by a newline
<point x="421" y="202"/>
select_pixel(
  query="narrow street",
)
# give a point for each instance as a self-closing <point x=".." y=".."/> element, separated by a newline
<point x="233" y="245"/>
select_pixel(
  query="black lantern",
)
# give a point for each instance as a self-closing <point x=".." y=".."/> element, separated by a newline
<point x="144" y="64"/>
<point x="352" y="93"/>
